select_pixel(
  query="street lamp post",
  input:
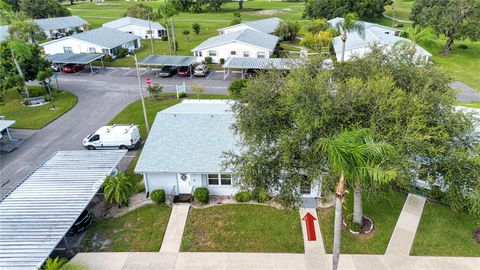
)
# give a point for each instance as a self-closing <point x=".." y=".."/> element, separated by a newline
<point x="141" y="95"/>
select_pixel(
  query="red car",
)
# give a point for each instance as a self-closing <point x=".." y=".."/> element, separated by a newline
<point x="72" y="68"/>
<point x="184" y="72"/>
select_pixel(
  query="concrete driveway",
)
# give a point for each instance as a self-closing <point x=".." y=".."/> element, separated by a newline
<point x="100" y="98"/>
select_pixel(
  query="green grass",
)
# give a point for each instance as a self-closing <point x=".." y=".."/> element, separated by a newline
<point x="35" y="117"/>
<point x="384" y="213"/>
<point x="400" y="9"/>
<point x="242" y="228"/>
<point x="443" y="232"/>
<point x="469" y="104"/>
<point x="140" y="230"/>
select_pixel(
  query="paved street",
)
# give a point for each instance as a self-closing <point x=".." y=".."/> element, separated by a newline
<point x="100" y="98"/>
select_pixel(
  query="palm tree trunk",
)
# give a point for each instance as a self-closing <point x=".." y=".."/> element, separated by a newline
<point x="20" y="72"/>
<point x="344" y="42"/>
<point x="173" y="37"/>
<point x="337" y="232"/>
<point x="357" y="204"/>
<point x="168" y="38"/>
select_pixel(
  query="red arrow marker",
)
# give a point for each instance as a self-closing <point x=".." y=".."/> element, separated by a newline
<point x="309" y="219"/>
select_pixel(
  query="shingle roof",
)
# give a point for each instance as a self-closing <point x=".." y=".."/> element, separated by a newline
<point x="251" y="37"/>
<point x="60" y="22"/>
<point x="104" y="36"/>
<point x="267" y="26"/>
<point x="189" y="137"/>
<point x="133" y="21"/>
<point x="4" y="32"/>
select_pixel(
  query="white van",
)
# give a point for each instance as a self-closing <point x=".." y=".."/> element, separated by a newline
<point x="114" y="137"/>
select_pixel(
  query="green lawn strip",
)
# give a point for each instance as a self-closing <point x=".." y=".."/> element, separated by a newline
<point x="242" y="228"/>
<point x="469" y="104"/>
<point x="140" y="230"/>
<point x="443" y="232"/>
<point x="383" y="211"/>
<point x="400" y="9"/>
<point x="38" y="116"/>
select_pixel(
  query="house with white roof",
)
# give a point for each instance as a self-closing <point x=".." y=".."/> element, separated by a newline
<point x="185" y="150"/>
<point x="243" y="43"/>
<point x="142" y="28"/>
<point x="374" y="35"/>
<point x="101" y="40"/>
<point x="266" y="26"/>
<point x="62" y="26"/>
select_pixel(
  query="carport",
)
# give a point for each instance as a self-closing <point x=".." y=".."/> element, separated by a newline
<point x="245" y="63"/>
<point x="75" y="58"/>
<point x="169" y="60"/>
<point x="38" y="213"/>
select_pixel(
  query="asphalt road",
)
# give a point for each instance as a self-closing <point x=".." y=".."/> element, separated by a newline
<point x="100" y="98"/>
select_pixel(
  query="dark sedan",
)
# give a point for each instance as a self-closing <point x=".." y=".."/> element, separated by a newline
<point x="167" y="71"/>
<point x="81" y="224"/>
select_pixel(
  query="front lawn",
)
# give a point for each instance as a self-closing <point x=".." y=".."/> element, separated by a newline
<point x="39" y="116"/>
<point x="242" y="228"/>
<point x="443" y="232"/>
<point x="383" y="211"/>
<point x="140" y="230"/>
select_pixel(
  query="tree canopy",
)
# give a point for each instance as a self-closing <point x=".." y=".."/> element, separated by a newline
<point x="140" y="11"/>
<point x="456" y="19"/>
<point x="366" y="9"/>
<point x="282" y="117"/>
<point x="39" y="9"/>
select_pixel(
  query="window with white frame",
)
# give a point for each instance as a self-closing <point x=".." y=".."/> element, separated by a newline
<point x="260" y="54"/>
<point x="246" y="54"/>
<point x="198" y="53"/>
<point x="67" y="50"/>
<point x="219" y="179"/>
<point x="92" y="50"/>
<point x="233" y="53"/>
<point x="212" y="53"/>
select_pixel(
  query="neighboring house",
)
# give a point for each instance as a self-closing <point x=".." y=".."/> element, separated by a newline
<point x="266" y="26"/>
<point x="374" y="35"/>
<point x="139" y="27"/>
<point x="102" y="40"/>
<point x="185" y="150"/>
<point x="243" y="43"/>
<point x="3" y="32"/>
<point x="62" y="26"/>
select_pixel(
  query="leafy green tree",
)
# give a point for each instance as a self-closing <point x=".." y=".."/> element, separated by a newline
<point x="118" y="189"/>
<point x="39" y="9"/>
<point x="237" y="18"/>
<point x="235" y="88"/>
<point x="214" y="5"/>
<point x="456" y="19"/>
<point x="287" y="30"/>
<point x="350" y="23"/>
<point x="196" y="28"/>
<point x="186" y="33"/>
<point x="198" y="89"/>
<point x="26" y="31"/>
<point x="167" y="11"/>
<point x="154" y="90"/>
<point x="140" y="11"/>
<point x="366" y="9"/>
<point x="317" y="25"/>
<point x="320" y="42"/>
<point x="12" y="4"/>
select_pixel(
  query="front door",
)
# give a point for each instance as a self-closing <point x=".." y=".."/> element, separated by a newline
<point x="183" y="180"/>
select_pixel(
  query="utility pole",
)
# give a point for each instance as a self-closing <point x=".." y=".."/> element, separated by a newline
<point x="141" y="95"/>
<point x="151" y="33"/>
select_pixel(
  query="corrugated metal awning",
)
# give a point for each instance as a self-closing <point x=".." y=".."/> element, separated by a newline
<point x="262" y="63"/>
<point x="74" y="58"/>
<point x="36" y="215"/>
<point x="168" y="60"/>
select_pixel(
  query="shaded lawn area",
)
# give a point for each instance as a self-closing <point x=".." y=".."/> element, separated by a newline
<point x="39" y="116"/>
<point x="400" y="9"/>
<point x="383" y="211"/>
<point x="242" y="228"/>
<point x="444" y="232"/>
<point x="140" y="230"/>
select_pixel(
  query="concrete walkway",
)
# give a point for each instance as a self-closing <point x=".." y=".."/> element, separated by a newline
<point x="404" y="233"/>
<point x="314" y="249"/>
<point x="176" y="224"/>
<point x="467" y="93"/>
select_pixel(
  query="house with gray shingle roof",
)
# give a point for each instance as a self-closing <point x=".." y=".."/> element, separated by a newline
<point x="139" y="27"/>
<point x="62" y="26"/>
<point x="266" y="26"/>
<point x="243" y="43"/>
<point x="101" y="40"/>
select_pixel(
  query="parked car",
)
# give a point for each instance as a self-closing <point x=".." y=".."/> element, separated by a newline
<point x="167" y="71"/>
<point x="201" y="70"/>
<point x="72" y="68"/>
<point x="55" y="67"/>
<point x="184" y="71"/>
<point x="114" y="137"/>
<point x="81" y="224"/>
<point x="251" y="73"/>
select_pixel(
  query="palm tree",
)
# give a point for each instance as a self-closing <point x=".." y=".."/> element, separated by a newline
<point x="117" y="189"/>
<point x="351" y="154"/>
<point x="166" y="11"/>
<point x="418" y="35"/>
<point x="350" y="23"/>
<point x="19" y="49"/>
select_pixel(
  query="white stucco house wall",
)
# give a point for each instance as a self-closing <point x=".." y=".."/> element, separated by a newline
<point x="266" y="26"/>
<point x="101" y="40"/>
<point x="142" y="28"/>
<point x="244" y="43"/>
<point x="185" y="149"/>
<point x="374" y="35"/>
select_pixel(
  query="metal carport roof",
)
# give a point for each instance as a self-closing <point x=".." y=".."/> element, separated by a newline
<point x="261" y="63"/>
<point x="168" y="60"/>
<point x="35" y="216"/>
<point x="74" y="58"/>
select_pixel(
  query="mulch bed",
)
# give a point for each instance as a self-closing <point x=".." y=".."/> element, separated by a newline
<point x="476" y="234"/>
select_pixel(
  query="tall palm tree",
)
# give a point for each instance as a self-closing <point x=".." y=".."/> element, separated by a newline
<point x="350" y="23"/>
<point x="167" y="11"/>
<point x="418" y="35"/>
<point x="117" y="189"/>
<point x="19" y="49"/>
<point x="348" y="154"/>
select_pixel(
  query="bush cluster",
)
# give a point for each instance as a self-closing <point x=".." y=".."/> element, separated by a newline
<point x="242" y="196"/>
<point x="260" y="195"/>
<point x="201" y="195"/>
<point x="208" y="59"/>
<point x="158" y="196"/>
<point x="463" y="46"/>
<point x="122" y="52"/>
